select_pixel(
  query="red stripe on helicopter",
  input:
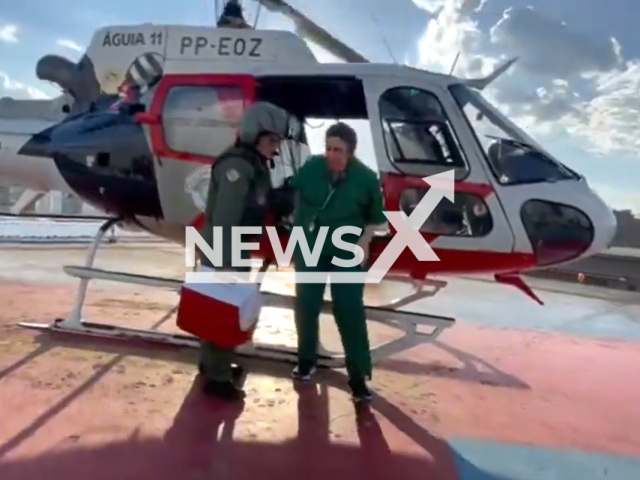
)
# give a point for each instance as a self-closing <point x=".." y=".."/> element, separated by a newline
<point x="395" y="183"/>
<point x="231" y="106"/>
<point x="234" y="93"/>
<point x="232" y="103"/>
<point x="392" y="189"/>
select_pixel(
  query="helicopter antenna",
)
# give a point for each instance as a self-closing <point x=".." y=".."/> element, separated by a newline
<point x="455" y="62"/>
<point x="374" y="19"/>
<point x="259" y="9"/>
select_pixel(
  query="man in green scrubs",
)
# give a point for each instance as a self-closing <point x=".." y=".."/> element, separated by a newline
<point x="238" y="190"/>
<point x="335" y="190"/>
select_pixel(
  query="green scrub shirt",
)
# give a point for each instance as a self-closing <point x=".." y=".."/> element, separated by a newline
<point x="356" y="201"/>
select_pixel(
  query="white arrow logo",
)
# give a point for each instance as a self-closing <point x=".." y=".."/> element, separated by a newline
<point x="407" y="235"/>
<point x="407" y="228"/>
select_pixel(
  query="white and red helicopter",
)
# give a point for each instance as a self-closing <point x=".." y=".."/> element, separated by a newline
<point x="148" y="108"/>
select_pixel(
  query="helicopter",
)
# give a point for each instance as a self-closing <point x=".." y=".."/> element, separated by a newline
<point x="147" y="109"/>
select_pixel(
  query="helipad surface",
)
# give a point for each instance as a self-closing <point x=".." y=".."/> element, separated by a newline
<point x="513" y="392"/>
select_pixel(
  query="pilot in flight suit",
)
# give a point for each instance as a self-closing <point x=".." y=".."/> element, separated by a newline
<point x="336" y="190"/>
<point x="239" y="186"/>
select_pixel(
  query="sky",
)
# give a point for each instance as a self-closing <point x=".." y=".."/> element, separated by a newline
<point x="575" y="88"/>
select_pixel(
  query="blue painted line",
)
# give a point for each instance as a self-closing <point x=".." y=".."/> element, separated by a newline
<point x="484" y="460"/>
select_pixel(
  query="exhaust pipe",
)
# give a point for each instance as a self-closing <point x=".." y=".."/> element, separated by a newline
<point x="77" y="79"/>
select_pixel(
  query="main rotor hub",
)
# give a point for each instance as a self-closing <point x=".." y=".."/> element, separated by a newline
<point x="232" y="15"/>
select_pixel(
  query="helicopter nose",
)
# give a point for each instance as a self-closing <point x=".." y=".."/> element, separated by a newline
<point x="39" y="145"/>
<point x="86" y="135"/>
<point x="604" y="226"/>
<point x="27" y="171"/>
<point x="572" y="222"/>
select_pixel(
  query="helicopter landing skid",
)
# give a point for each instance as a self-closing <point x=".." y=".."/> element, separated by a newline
<point x="409" y="323"/>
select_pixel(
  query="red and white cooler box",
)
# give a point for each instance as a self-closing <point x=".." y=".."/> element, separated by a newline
<point x="225" y="314"/>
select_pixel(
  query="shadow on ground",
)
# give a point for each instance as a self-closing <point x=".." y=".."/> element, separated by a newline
<point x="473" y="369"/>
<point x="200" y="445"/>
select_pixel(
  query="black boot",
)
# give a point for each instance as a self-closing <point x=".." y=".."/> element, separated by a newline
<point x="227" y="391"/>
<point x="360" y="393"/>
<point x="236" y="372"/>
<point x="304" y="371"/>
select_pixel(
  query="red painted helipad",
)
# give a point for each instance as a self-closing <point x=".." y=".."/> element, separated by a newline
<point x="514" y="392"/>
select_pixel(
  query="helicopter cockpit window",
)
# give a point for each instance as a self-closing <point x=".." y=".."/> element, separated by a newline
<point x="417" y="132"/>
<point x="514" y="157"/>
<point x="467" y="216"/>
<point x="194" y="114"/>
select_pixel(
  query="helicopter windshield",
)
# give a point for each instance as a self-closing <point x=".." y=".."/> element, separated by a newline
<point x="514" y="157"/>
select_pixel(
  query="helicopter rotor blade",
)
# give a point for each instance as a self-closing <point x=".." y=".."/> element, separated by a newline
<point x="307" y="28"/>
<point x="482" y="83"/>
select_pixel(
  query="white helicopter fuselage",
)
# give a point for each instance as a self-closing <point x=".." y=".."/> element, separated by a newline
<point x="195" y="83"/>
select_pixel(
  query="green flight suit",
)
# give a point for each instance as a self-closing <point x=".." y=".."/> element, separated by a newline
<point x="240" y="183"/>
<point x="356" y="201"/>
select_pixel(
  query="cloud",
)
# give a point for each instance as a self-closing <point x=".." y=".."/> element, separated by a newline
<point x="431" y="6"/>
<point x="610" y="118"/>
<point x="524" y="31"/>
<point x="564" y="83"/>
<point x="434" y="6"/>
<point x="8" y="33"/>
<point x="451" y="31"/>
<point x="70" y="45"/>
<point x="18" y="90"/>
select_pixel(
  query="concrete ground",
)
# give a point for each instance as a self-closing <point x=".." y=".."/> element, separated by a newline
<point x="514" y="391"/>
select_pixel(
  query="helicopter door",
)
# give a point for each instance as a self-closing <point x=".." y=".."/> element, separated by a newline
<point x="192" y="119"/>
<point x="418" y="131"/>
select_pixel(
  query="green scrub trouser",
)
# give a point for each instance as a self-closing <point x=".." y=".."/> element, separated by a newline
<point x="349" y="314"/>
<point x="216" y="361"/>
